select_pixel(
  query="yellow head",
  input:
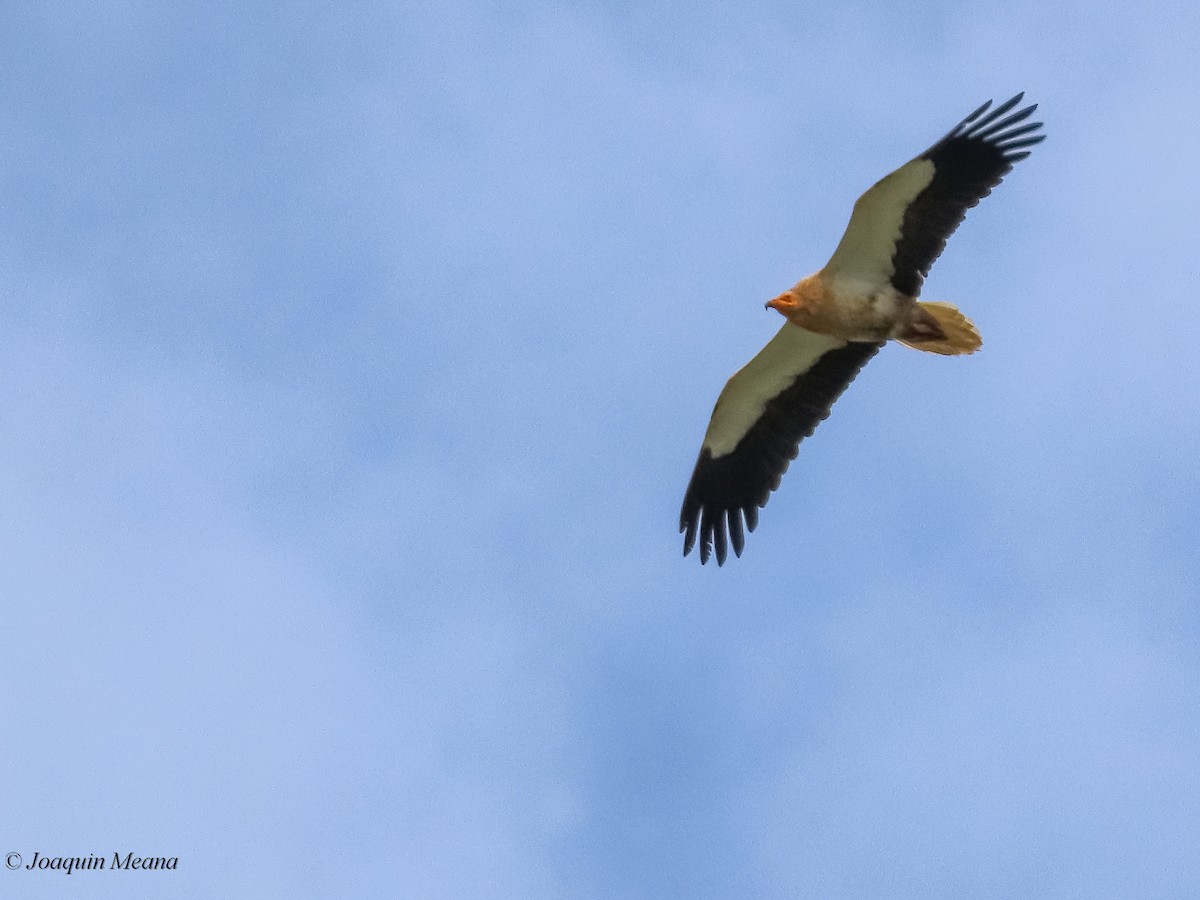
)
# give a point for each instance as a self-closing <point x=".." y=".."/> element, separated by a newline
<point x="809" y="305"/>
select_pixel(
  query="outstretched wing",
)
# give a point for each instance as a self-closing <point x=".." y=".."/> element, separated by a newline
<point x="900" y="226"/>
<point x="762" y="415"/>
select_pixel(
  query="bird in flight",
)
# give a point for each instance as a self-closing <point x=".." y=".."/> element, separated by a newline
<point x="839" y="317"/>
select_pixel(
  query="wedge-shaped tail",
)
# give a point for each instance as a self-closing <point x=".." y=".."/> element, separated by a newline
<point x="941" y="328"/>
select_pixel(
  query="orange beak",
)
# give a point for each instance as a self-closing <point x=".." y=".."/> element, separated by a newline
<point x="781" y="303"/>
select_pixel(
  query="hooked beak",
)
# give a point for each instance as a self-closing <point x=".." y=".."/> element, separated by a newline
<point x="780" y="303"/>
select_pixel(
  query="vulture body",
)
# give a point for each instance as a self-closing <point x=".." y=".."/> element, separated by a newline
<point x="840" y="317"/>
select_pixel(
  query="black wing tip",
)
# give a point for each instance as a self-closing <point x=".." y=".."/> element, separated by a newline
<point x="998" y="121"/>
<point x="1024" y="142"/>
<point x="716" y="531"/>
<point x="997" y="111"/>
<point x="975" y="115"/>
<point x="991" y="128"/>
<point x="725" y="493"/>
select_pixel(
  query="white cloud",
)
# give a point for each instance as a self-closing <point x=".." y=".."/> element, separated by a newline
<point x="349" y="405"/>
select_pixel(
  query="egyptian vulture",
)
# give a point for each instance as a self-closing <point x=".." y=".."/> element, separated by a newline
<point x="839" y="317"/>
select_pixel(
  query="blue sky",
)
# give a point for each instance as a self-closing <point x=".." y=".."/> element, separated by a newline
<point x="353" y="361"/>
